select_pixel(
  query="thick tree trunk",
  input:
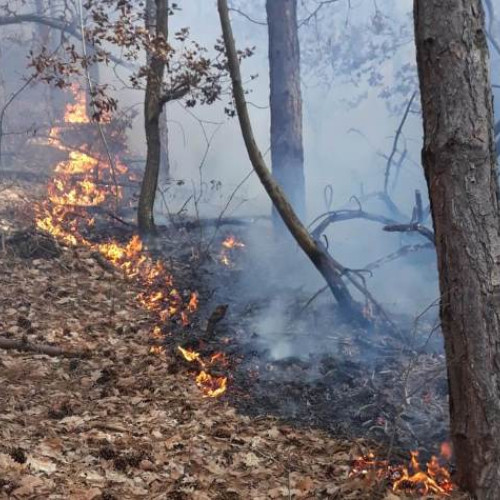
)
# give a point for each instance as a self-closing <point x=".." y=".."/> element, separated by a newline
<point x="287" y="154"/>
<point x="152" y="110"/>
<point x="459" y="162"/>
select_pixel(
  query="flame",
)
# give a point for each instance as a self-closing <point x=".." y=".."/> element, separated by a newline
<point x="189" y="355"/>
<point x="232" y="242"/>
<point x="229" y="245"/>
<point x="436" y="479"/>
<point x="157" y="349"/>
<point x="211" y="386"/>
<point x="225" y="260"/>
<point x="193" y="302"/>
<point x="82" y="181"/>
<point x="76" y="112"/>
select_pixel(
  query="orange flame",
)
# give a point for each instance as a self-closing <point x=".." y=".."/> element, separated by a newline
<point x="228" y="245"/>
<point x="77" y="112"/>
<point x="193" y="302"/>
<point x="211" y="387"/>
<point x="232" y="242"/>
<point x="436" y="479"/>
<point x="75" y="188"/>
<point x="189" y="355"/>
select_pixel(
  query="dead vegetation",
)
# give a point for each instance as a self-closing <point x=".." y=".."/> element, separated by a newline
<point x="124" y="423"/>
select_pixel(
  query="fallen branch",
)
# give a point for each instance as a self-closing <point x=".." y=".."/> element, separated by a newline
<point x="390" y="225"/>
<point x="24" y="345"/>
<point x="343" y="215"/>
<point x="413" y="227"/>
<point x="402" y="252"/>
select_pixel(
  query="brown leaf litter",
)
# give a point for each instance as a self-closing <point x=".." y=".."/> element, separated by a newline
<point x="125" y="424"/>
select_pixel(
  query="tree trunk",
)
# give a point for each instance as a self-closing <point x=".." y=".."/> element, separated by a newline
<point x="287" y="154"/>
<point x="460" y="167"/>
<point x="152" y="110"/>
<point x="165" y="158"/>
<point x="330" y="269"/>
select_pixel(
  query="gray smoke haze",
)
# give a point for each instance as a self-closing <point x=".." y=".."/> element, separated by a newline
<point x="349" y="126"/>
<point x="346" y="147"/>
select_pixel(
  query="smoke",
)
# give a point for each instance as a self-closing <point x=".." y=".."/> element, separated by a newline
<point x="346" y="149"/>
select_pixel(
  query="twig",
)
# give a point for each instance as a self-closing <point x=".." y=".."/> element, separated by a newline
<point x="312" y="299"/>
<point x="315" y="12"/>
<point x="395" y="142"/>
<point x="402" y="252"/>
<point x="24" y="345"/>
<point x="247" y="17"/>
<point x="4" y="109"/>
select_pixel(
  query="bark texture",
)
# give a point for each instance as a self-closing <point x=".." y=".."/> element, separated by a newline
<point x="497" y="134"/>
<point x="460" y="167"/>
<point x="287" y="154"/>
<point x="153" y="106"/>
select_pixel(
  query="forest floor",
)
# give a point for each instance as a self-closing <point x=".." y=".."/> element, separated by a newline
<point x="122" y="422"/>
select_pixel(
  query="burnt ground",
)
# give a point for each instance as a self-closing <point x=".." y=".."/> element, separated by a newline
<point x="128" y="424"/>
<point x="303" y="363"/>
<point x="299" y="360"/>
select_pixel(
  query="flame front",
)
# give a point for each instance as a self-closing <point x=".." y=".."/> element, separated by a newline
<point x="435" y="480"/>
<point x="84" y="181"/>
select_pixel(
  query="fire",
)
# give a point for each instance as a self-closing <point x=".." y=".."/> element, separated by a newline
<point x="211" y="386"/>
<point x="412" y="479"/>
<point x="189" y="355"/>
<point x="225" y="260"/>
<point x="229" y="245"/>
<point x="157" y="349"/>
<point x="84" y="181"/>
<point x="232" y="242"/>
<point x="436" y="480"/>
<point x="76" y="112"/>
<point x="193" y="302"/>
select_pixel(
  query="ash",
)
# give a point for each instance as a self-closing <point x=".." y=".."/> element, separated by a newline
<point x="299" y="360"/>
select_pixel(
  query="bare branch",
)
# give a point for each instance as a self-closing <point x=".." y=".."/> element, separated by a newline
<point x="395" y="143"/>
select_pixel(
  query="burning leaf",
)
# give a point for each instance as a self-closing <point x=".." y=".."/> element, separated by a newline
<point x="189" y="355"/>
<point x="211" y="387"/>
<point x="435" y="480"/>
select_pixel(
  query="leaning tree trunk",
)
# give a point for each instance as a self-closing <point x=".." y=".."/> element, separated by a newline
<point x="287" y="154"/>
<point x="460" y="167"/>
<point x="153" y="106"/>
<point x="329" y="268"/>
